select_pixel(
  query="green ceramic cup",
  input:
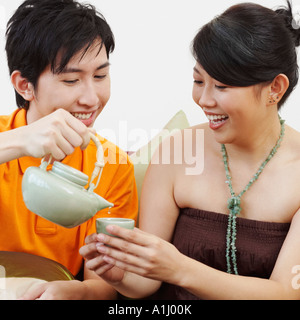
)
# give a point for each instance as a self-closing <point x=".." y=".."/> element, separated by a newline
<point x="102" y="223"/>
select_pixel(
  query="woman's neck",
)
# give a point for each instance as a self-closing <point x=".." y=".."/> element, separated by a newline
<point x="256" y="147"/>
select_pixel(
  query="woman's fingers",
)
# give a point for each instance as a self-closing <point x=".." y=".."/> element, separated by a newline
<point x="91" y="238"/>
<point x="125" y="256"/>
<point x="123" y="246"/>
<point x="124" y="261"/>
<point x="135" y="252"/>
<point x="95" y="262"/>
<point x="135" y="236"/>
<point x="100" y="270"/>
<point x="89" y="251"/>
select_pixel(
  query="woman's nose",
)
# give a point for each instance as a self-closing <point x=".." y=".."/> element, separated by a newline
<point x="207" y="98"/>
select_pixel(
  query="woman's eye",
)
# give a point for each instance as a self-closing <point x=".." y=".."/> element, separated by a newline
<point x="198" y="82"/>
<point x="221" y="87"/>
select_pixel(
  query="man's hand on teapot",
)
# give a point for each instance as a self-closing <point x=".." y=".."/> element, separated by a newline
<point x="58" y="134"/>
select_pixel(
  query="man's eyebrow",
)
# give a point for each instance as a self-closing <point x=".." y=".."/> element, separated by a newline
<point x="75" y="70"/>
<point x="106" y="64"/>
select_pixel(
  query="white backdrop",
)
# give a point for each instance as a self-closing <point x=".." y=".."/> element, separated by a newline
<point x="151" y="67"/>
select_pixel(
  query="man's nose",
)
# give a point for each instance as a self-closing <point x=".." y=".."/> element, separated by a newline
<point x="89" y="96"/>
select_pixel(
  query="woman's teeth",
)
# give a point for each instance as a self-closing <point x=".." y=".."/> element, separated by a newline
<point x="216" y="118"/>
<point x="82" y="116"/>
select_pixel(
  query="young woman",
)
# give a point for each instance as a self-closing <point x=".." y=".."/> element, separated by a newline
<point x="234" y="228"/>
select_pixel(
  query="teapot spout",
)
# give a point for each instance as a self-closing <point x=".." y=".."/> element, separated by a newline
<point x="102" y="203"/>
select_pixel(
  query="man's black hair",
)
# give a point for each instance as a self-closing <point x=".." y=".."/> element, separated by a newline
<point x="39" y="30"/>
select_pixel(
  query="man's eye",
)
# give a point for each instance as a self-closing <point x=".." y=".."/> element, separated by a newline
<point x="100" y="77"/>
<point x="70" y="81"/>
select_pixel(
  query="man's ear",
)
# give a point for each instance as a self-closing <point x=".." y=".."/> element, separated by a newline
<point x="22" y="86"/>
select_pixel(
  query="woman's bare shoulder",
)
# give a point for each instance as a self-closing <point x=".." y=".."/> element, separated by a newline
<point x="293" y="142"/>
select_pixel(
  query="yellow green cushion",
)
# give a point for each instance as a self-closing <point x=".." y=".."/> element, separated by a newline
<point x="141" y="158"/>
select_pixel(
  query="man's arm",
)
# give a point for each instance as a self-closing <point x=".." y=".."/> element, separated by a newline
<point x="58" y="134"/>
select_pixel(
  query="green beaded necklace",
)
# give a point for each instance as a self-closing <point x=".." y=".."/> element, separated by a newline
<point x="234" y="203"/>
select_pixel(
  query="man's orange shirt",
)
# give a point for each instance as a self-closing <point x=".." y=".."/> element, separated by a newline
<point x="24" y="231"/>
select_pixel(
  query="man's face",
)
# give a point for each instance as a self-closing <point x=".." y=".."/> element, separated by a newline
<point x="83" y="88"/>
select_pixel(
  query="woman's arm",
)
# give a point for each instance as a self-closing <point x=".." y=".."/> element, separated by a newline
<point x="158" y="215"/>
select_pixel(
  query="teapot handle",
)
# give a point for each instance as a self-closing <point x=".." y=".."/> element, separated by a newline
<point x="99" y="165"/>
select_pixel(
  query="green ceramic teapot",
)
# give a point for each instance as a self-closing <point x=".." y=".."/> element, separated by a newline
<point x="59" y="195"/>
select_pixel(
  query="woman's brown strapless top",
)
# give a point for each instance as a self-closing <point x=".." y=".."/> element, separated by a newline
<point x="201" y="235"/>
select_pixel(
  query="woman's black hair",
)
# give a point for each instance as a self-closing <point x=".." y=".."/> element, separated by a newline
<point x="250" y="44"/>
<point x="39" y="30"/>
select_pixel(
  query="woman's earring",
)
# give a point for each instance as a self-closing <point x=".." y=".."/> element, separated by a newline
<point x="272" y="99"/>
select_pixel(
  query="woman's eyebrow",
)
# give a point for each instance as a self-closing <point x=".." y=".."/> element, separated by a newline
<point x="196" y="70"/>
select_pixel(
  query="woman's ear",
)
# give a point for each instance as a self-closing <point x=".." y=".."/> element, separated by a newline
<point x="277" y="89"/>
<point x="22" y="86"/>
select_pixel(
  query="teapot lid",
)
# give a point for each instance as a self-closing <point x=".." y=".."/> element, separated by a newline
<point x="70" y="173"/>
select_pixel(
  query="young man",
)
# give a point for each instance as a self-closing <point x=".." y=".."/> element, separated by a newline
<point x="58" y="57"/>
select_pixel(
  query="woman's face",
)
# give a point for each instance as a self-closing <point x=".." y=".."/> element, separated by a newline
<point x="232" y="112"/>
